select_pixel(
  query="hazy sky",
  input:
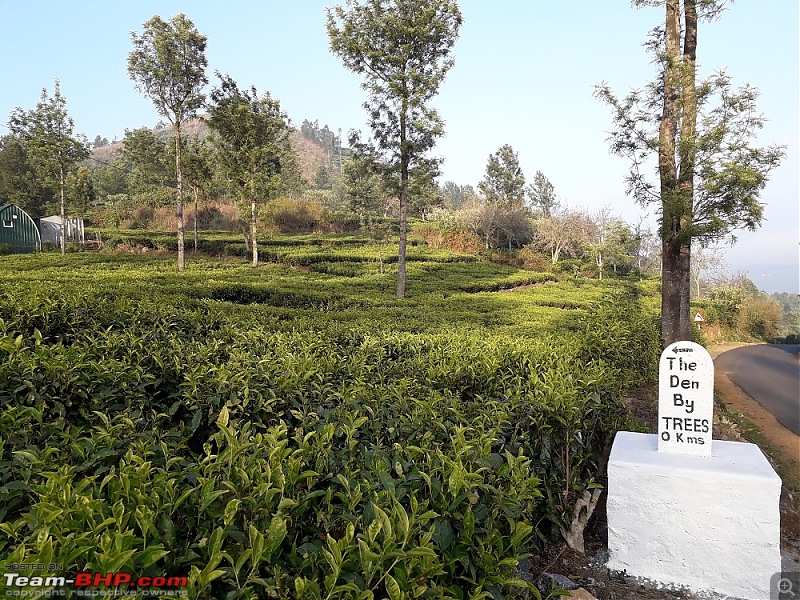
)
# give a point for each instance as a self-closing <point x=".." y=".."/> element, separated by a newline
<point x="524" y="75"/>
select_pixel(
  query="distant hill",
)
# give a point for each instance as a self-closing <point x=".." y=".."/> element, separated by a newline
<point x="311" y="155"/>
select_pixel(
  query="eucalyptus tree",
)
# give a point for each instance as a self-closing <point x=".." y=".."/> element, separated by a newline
<point x="710" y="176"/>
<point x="52" y="147"/>
<point x="168" y="64"/>
<point x="251" y="136"/>
<point x="402" y="49"/>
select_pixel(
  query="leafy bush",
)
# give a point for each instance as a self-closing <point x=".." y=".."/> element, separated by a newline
<point x="294" y="215"/>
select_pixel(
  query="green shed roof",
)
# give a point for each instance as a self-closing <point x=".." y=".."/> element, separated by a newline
<point x="17" y="230"/>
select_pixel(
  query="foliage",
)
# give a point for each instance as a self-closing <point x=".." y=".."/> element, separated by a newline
<point x="761" y="317"/>
<point x="499" y="226"/>
<point x="542" y="195"/>
<point x="790" y="307"/>
<point x="289" y="215"/>
<point x="168" y="65"/>
<point x="151" y="179"/>
<point x="361" y="185"/>
<point x="710" y="175"/>
<point x="503" y="185"/>
<point x="563" y="232"/>
<point x="332" y="143"/>
<point x="81" y="192"/>
<point x="402" y="48"/>
<point x="731" y="172"/>
<point x="277" y="432"/>
<point x="18" y="180"/>
<point x="457" y="196"/>
<point x="743" y="312"/>
<point x="607" y="239"/>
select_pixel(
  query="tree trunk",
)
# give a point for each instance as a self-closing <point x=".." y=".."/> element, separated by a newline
<point x="63" y="213"/>
<point x="195" y="220"/>
<point x="401" y="254"/>
<point x="675" y="251"/>
<point x="179" y="194"/>
<point x="686" y="156"/>
<point x="404" y="160"/>
<point x="254" y="243"/>
<point x="675" y="323"/>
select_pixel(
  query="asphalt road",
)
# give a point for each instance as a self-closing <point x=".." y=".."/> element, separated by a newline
<point x="770" y="374"/>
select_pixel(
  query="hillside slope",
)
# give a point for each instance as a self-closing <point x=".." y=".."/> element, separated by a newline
<point x="310" y="154"/>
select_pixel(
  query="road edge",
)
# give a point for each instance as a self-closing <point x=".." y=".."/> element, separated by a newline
<point x="781" y="439"/>
<point x="757" y="425"/>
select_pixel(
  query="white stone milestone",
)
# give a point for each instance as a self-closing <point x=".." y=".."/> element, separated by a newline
<point x="711" y="524"/>
<point x="685" y="399"/>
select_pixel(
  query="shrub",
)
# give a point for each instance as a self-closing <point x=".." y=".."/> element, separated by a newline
<point x="455" y="239"/>
<point x="290" y="215"/>
<point x="761" y="318"/>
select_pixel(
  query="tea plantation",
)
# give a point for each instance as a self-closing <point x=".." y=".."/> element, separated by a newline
<point x="294" y="431"/>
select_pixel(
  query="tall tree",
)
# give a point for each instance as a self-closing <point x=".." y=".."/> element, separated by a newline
<point x="504" y="182"/>
<point x="402" y="48"/>
<point x="710" y="177"/>
<point x="168" y="65"/>
<point x="251" y="135"/>
<point x="542" y="195"/>
<point x="52" y="146"/>
<point x="503" y="217"/>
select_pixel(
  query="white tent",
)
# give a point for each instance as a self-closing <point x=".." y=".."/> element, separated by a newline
<point x="50" y="229"/>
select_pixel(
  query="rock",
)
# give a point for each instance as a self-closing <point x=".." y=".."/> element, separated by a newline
<point x="552" y="581"/>
<point x="594" y="582"/>
<point x="581" y="594"/>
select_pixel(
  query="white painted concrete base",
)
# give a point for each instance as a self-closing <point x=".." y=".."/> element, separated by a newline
<point x="705" y="523"/>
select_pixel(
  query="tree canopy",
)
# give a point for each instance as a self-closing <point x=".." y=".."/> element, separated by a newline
<point x="542" y="195"/>
<point x="504" y="182"/>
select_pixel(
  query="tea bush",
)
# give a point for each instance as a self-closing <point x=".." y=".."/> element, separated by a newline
<point x="287" y="433"/>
